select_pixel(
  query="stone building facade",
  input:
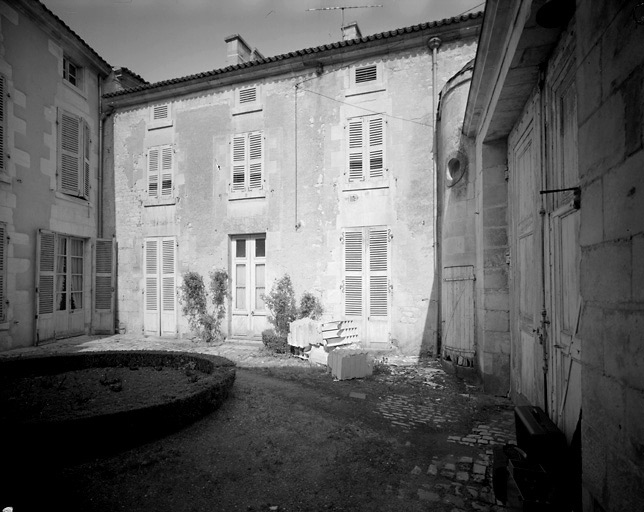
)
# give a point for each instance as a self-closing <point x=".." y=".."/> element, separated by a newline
<point x="50" y="178"/>
<point x="317" y="163"/>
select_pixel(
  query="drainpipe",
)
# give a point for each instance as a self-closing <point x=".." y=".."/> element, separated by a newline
<point x="433" y="44"/>
<point x="99" y="194"/>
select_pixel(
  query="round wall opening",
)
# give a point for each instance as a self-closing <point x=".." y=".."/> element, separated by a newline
<point x="455" y="170"/>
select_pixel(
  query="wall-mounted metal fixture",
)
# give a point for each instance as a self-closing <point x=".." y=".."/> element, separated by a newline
<point x="576" y="195"/>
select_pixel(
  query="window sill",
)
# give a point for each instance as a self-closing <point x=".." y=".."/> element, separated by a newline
<point x="73" y="199"/>
<point x="77" y="90"/>
<point x="357" y="91"/>
<point x="5" y="178"/>
<point x="160" y="202"/>
<point x="365" y="185"/>
<point x="155" y="125"/>
<point x="246" y="194"/>
<point x="5" y="326"/>
<point x="247" y="109"/>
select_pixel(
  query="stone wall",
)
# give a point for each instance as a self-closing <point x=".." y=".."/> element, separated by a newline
<point x="610" y="81"/>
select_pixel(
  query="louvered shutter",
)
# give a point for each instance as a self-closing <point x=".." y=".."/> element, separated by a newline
<point x="160" y="112"/>
<point x="376" y="148"/>
<point x="239" y="163"/>
<point x="45" y="287"/>
<point x="255" y="161"/>
<point x="166" y="171"/>
<point x="353" y="270"/>
<point x="154" y="163"/>
<point x="378" y="272"/>
<point x="3" y="86"/>
<point x="86" y="154"/>
<point x="168" y="292"/>
<point x="103" y="280"/>
<point x="71" y="157"/>
<point x="151" y="290"/>
<point x="3" y="269"/>
<point x="356" y="150"/>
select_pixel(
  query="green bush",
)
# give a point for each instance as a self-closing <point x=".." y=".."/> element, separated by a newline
<point x="281" y="303"/>
<point x="194" y="301"/>
<point x="310" y="307"/>
<point x="274" y="342"/>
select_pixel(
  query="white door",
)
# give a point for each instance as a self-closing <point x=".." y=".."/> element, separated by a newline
<point x="248" y="318"/>
<point x="563" y="250"/>
<point x="366" y="285"/>
<point x="160" y="295"/>
<point x="525" y="262"/>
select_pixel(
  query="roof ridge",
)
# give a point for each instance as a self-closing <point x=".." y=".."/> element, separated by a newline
<point x="305" y="51"/>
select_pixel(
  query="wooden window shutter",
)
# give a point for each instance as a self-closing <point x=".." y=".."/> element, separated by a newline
<point x="356" y="150"/>
<point x="376" y="147"/>
<point x="168" y="286"/>
<point x="353" y="270"/>
<point x="248" y="95"/>
<point x="154" y="163"/>
<point x="70" y="152"/>
<point x="239" y="163"/>
<point x="104" y="274"/>
<point x="166" y="171"/>
<point x="366" y="74"/>
<point x="151" y="290"/>
<point x="160" y="112"/>
<point x="3" y="271"/>
<point x="378" y="272"/>
<point x="3" y="86"/>
<point x="46" y="243"/>
<point x="86" y="155"/>
<point x="255" y="161"/>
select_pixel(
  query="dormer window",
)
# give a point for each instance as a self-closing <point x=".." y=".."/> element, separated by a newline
<point x="72" y="73"/>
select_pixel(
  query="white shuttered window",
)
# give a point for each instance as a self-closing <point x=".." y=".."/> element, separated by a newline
<point x="74" y="155"/>
<point x="161" y="172"/>
<point x="3" y="92"/>
<point x="366" y="271"/>
<point x="247" y="162"/>
<point x="3" y="272"/>
<point x="366" y="148"/>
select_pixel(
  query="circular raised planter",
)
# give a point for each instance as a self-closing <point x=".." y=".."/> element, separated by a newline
<point x="185" y="387"/>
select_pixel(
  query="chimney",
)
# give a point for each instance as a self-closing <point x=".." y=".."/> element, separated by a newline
<point x="238" y="51"/>
<point x="351" y="31"/>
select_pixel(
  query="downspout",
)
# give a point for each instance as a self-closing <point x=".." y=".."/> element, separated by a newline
<point x="433" y="44"/>
<point x="297" y="222"/>
<point x="99" y="194"/>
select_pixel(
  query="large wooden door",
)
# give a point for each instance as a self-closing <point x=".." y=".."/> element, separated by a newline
<point x="160" y="294"/>
<point x="525" y="267"/>
<point x="458" y="315"/>
<point x="248" y="317"/>
<point x="104" y="264"/>
<point x="562" y="237"/>
<point x="366" y="284"/>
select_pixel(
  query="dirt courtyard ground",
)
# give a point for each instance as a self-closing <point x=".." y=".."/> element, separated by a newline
<point x="290" y="438"/>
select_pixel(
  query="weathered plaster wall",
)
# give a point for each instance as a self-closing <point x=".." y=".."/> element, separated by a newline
<point x="610" y="85"/>
<point x="31" y="62"/>
<point x="205" y="217"/>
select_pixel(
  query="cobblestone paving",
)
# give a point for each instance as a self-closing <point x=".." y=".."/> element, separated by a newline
<point x="404" y="412"/>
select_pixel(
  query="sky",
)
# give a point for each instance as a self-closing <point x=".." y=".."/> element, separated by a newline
<point x="164" y="39"/>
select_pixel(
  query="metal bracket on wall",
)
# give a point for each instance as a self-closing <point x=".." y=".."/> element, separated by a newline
<point x="576" y="198"/>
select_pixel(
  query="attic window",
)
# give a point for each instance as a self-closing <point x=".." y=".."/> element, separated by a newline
<point x="160" y="116"/>
<point x="248" y="95"/>
<point x="366" y="74"/>
<point x="72" y="73"/>
<point x="160" y="112"/>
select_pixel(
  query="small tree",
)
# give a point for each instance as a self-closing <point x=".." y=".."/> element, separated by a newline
<point x="194" y="302"/>
<point x="281" y="303"/>
<point x="310" y="307"/>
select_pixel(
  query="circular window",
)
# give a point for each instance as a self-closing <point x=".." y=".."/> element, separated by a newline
<point x="455" y="170"/>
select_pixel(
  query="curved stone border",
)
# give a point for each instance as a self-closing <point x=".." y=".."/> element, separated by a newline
<point x="104" y="433"/>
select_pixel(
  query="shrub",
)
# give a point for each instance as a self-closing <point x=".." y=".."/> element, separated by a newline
<point x="274" y="342"/>
<point x="281" y="303"/>
<point x="194" y="301"/>
<point x="310" y="307"/>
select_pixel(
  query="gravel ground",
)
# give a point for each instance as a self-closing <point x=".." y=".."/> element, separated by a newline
<point x="290" y="438"/>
